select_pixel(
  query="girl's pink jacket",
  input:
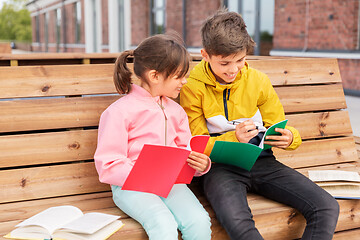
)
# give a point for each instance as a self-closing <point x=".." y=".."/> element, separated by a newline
<point x="129" y="123"/>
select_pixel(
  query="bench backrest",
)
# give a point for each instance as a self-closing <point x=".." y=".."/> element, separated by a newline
<point x="49" y="117"/>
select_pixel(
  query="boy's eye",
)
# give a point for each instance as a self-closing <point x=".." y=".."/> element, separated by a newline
<point x="223" y="64"/>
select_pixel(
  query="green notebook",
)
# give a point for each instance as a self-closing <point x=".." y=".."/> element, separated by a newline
<point x="239" y="154"/>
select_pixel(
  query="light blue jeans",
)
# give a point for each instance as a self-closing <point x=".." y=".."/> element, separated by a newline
<point x="161" y="217"/>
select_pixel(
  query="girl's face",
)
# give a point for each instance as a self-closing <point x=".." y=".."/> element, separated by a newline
<point x="226" y="68"/>
<point x="171" y="86"/>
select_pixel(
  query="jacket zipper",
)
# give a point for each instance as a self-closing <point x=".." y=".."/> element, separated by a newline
<point x="225" y="99"/>
<point x="163" y="110"/>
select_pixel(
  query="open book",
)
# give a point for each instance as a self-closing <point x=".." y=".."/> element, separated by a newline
<point x="158" y="167"/>
<point x="67" y="223"/>
<point x="340" y="184"/>
<point x="242" y="155"/>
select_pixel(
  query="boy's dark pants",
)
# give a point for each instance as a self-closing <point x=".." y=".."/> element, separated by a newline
<point x="226" y="186"/>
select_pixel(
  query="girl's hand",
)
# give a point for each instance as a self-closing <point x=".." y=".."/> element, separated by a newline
<point x="245" y="131"/>
<point x="282" y="141"/>
<point x="198" y="161"/>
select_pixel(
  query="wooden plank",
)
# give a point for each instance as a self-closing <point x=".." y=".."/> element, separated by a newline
<point x="25" y="115"/>
<point x="51" y="147"/>
<point x="297" y="71"/>
<point x="50" y="181"/>
<point x="311" y="98"/>
<point x="274" y="220"/>
<point x="357" y="143"/>
<point x="321" y="124"/>
<point x="319" y="152"/>
<point x="347" y="235"/>
<point x="44" y="148"/>
<point x="40" y="81"/>
<point x="58" y="80"/>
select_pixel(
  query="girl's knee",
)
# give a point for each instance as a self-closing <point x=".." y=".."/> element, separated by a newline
<point x="197" y="227"/>
<point x="161" y="228"/>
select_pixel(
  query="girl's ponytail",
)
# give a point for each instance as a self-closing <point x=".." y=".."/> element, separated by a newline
<point x="122" y="74"/>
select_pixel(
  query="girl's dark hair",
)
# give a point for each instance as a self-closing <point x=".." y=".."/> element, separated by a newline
<point x="165" y="54"/>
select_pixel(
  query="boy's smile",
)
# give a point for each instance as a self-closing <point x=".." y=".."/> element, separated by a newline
<point x="226" y="68"/>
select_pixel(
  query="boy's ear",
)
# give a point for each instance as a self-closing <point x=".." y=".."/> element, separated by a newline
<point x="205" y="55"/>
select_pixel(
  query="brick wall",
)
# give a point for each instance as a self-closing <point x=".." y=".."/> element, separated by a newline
<point x="139" y="21"/>
<point x="332" y="24"/>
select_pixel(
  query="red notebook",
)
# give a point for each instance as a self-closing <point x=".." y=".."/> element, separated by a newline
<point x="158" y="168"/>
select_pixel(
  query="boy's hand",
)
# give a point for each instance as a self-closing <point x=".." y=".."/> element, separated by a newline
<point x="198" y="161"/>
<point x="281" y="141"/>
<point x="245" y="131"/>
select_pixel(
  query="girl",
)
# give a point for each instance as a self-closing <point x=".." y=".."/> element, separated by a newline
<point x="146" y="115"/>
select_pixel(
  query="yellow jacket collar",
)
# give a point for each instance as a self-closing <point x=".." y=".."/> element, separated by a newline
<point x="203" y="69"/>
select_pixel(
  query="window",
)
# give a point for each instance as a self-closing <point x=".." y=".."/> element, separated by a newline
<point x="37" y="29"/>
<point x="77" y="21"/>
<point x="57" y="28"/>
<point x="121" y="22"/>
<point x="157" y="16"/>
<point x="46" y="31"/>
<point x="248" y="9"/>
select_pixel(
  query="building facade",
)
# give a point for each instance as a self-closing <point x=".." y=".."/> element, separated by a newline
<point x="116" y="25"/>
<point x="327" y="28"/>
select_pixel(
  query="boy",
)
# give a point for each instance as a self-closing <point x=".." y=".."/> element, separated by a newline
<point x="223" y="88"/>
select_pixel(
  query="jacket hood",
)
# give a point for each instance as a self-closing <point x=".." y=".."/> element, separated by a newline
<point x="203" y="69"/>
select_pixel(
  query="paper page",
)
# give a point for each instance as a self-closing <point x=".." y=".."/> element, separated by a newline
<point x="156" y="169"/>
<point x="102" y="234"/>
<point x="271" y="131"/>
<point x="333" y="175"/>
<point x="53" y="218"/>
<point x="337" y="183"/>
<point x="350" y="192"/>
<point x="89" y="223"/>
<point x="238" y="154"/>
<point x="198" y="144"/>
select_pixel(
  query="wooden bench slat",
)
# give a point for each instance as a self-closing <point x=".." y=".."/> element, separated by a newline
<point x="319" y="152"/>
<point x="321" y="124"/>
<point x="311" y="98"/>
<point x="25" y="115"/>
<point x="298" y="71"/>
<point x="59" y="80"/>
<point x="41" y="148"/>
<point x="49" y="181"/>
<point x="44" y="148"/>
<point x="40" y="81"/>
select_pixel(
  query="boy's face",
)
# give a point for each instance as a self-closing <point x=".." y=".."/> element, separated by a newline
<point x="226" y="68"/>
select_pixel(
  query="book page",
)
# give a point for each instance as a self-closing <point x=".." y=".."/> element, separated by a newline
<point x="271" y="131"/>
<point x="156" y="169"/>
<point x="102" y="234"/>
<point x="89" y="223"/>
<point x="347" y="192"/>
<point x="238" y="154"/>
<point x="53" y="218"/>
<point x="333" y="175"/>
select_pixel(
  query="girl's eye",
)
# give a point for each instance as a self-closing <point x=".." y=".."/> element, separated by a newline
<point x="223" y="64"/>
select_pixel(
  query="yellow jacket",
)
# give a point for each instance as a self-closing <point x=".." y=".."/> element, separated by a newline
<point x="250" y="95"/>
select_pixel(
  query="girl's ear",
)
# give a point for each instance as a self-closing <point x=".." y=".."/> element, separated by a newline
<point x="205" y="55"/>
<point x="153" y="76"/>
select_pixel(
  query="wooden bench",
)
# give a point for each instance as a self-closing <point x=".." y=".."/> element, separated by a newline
<point x="48" y="131"/>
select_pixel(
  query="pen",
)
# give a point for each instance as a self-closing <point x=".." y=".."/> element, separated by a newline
<point x="234" y="122"/>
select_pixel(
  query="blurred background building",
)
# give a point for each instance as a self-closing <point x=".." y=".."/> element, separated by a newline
<point x="326" y="28"/>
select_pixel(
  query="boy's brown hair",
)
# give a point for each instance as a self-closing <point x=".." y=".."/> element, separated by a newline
<point x="225" y="34"/>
